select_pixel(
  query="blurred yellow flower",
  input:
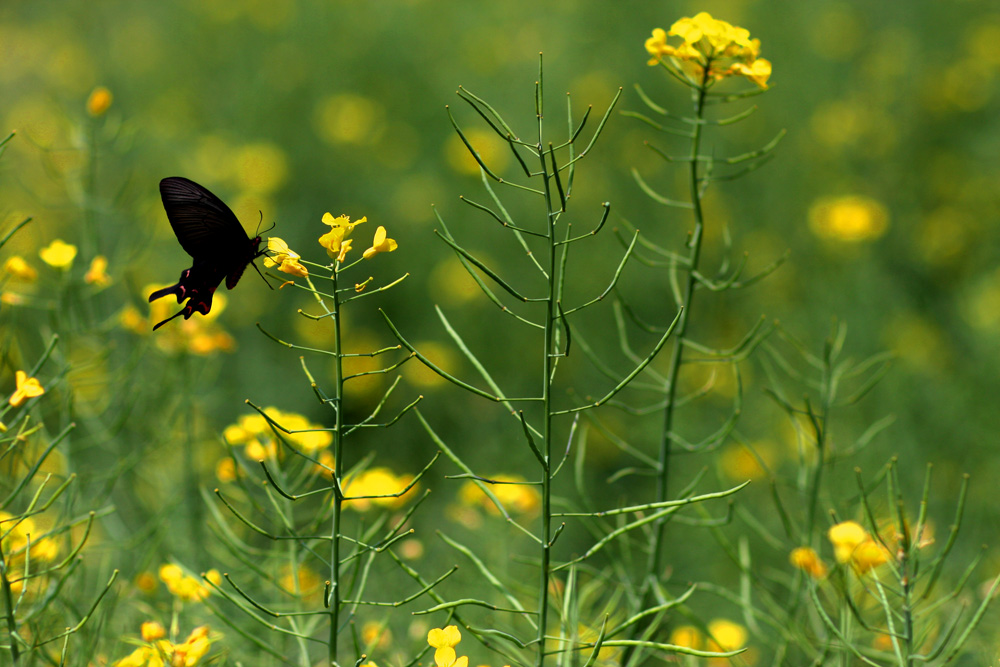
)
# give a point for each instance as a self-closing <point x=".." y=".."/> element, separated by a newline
<point x="18" y="269"/>
<point x="852" y="544"/>
<point x="852" y="219"/>
<point x="99" y="101"/>
<point x="25" y="388"/>
<point x="16" y="533"/>
<point x="444" y="641"/>
<point x="515" y="495"/>
<point x="381" y="244"/>
<point x="347" y="118"/>
<point x="226" y="470"/>
<point x="286" y="259"/>
<point x="97" y="274"/>
<point x="725" y="49"/>
<point x="151" y="631"/>
<point x="687" y="636"/>
<point x="340" y="228"/>
<point x="377" y="486"/>
<point x="188" y="588"/>
<point x="261" y="167"/>
<point x="303" y="583"/>
<point x="492" y="150"/>
<point x="725" y="635"/>
<point x="58" y="254"/>
<point x="254" y="433"/>
<point x="740" y="462"/>
<point x="162" y="652"/>
<point x="807" y="560"/>
<point x="146" y="582"/>
<point x="376" y="635"/>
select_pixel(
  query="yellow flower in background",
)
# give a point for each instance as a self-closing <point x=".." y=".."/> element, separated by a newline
<point x="97" y="274"/>
<point x="726" y="50"/>
<point x="286" y="259"/>
<point x="151" y="631"/>
<point x="187" y="588"/>
<point x="58" y="254"/>
<point x="162" y="652"/>
<point x="254" y="433"/>
<point x="377" y="486"/>
<point x="725" y="635"/>
<point x="25" y="388"/>
<point x="99" y="101"/>
<point x="687" y="636"/>
<point x="340" y="228"/>
<point x="381" y="243"/>
<point x="852" y="544"/>
<point x="18" y="269"/>
<point x="807" y="560"/>
<point x="515" y="496"/>
<point x="852" y="219"/>
<point x="444" y="641"/>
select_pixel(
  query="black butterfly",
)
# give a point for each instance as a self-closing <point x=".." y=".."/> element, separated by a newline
<point x="208" y="231"/>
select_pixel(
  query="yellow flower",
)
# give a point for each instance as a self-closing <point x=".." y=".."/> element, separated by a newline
<point x="381" y="244"/>
<point x="99" y="101"/>
<point x="284" y="258"/>
<point x="19" y="269"/>
<point x="852" y="544"/>
<point x="97" y="274"/>
<point x="517" y="495"/>
<point x="340" y="228"/>
<point x="26" y="388"/>
<point x="376" y="486"/>
<point x="724" y="635"/>
<point x="726" y="50"/>
<point x="808" y="560"/>
<point x="146" y="582"/>
<point x="151" y="631"/>
<point x="444" y="640"/>
<point x="852" y="219"/>
<point x="58" y="254"/>
<point x="687" y="636"/>
<point x="185" y="587"/>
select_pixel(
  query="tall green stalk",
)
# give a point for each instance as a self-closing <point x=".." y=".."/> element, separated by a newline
<point x="656" y="552"/>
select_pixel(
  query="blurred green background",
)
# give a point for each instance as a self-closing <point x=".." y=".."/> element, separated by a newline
<point x="298" y="107"/>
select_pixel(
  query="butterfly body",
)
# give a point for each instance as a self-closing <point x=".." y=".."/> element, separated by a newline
<point x="209" y="231"/>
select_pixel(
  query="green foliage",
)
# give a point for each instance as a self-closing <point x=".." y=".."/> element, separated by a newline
<point x="572" y="414"/>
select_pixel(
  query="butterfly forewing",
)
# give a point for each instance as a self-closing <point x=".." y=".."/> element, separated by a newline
<point x="204" y="225"/>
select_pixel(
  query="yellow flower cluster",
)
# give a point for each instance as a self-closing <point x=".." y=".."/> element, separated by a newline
<point x="255" y="435"/>
<point x="17" y="534"/>
<point x="186" y="587"/>
<point x="160" y="652"/>
<point x="723" y="635"/>
<point x="710" y="50"/>
<point x="852" y="544"/>
<point x="337" y="243"/>
<point x="199" y="335"/>
<point x="516" y="496"/>
<point x="374" y="482"/>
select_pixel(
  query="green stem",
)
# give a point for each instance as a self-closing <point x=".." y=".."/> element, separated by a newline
<point x="547" y="373"/>
<point x="9" y="603"/>
<point x="676" y="357"/>
<point x="335" y="595"/>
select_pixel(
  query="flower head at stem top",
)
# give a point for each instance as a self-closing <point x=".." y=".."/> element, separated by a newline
<point x="283" y="257"/>
<point x="444" y="640"/>
<point x="26" y="388"/>
<point x="723" y="49"/>
<point x="335" y="239"/>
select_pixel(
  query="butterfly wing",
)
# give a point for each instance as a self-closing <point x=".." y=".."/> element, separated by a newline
<point x="204" y="225"/>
